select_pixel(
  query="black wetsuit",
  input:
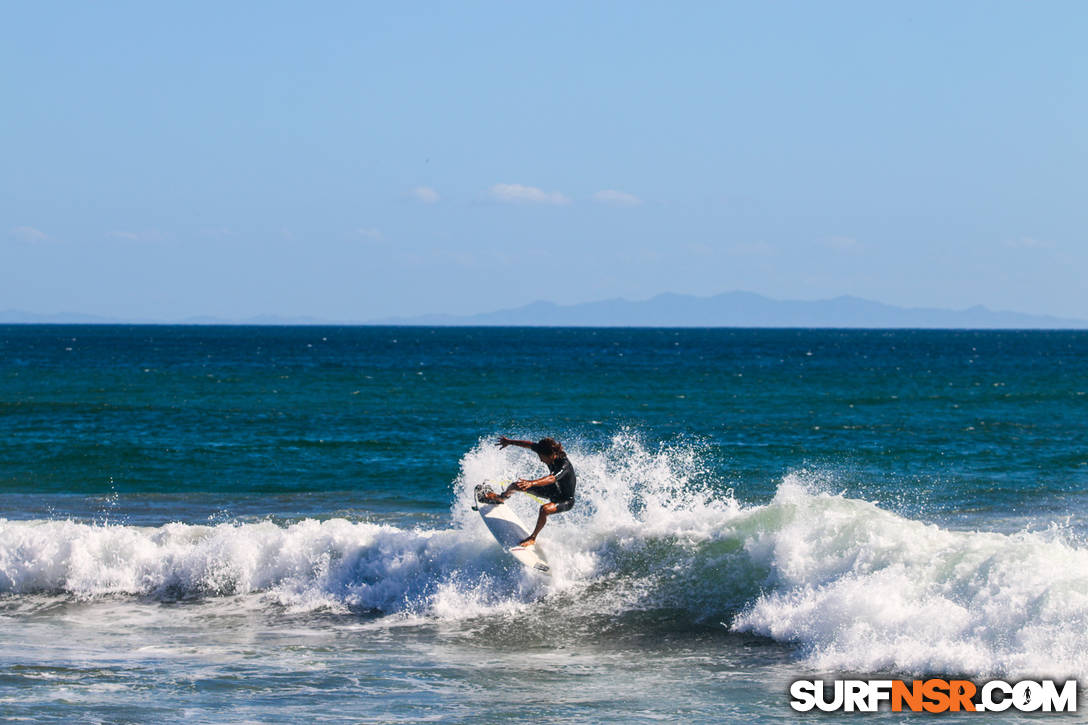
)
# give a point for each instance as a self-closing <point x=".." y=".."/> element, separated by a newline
<point x="561" y="493"/>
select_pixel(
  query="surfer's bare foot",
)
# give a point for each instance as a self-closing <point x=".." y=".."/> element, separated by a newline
<point x="527" y="542"/>
<point x="491" y="497"/>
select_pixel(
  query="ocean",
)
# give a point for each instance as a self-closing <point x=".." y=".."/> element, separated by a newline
<point x="273" y="524"/>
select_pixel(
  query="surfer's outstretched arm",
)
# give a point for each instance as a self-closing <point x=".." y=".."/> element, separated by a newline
<point x="504" y="442"/>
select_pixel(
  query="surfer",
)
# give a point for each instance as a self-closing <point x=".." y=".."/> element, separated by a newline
<point x="557" y="486"/>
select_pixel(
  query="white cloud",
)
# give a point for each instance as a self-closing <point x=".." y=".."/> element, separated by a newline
<point x="151" y="235"/>
<point x="518" y="194"/>
<point x="30" y="235"/>
<point x="616" y="198"/>
<point x="843" y="244"/>
<point x="1029" y="243"/>
<point x="425" y="194"/>
<point x="370" y="233"/>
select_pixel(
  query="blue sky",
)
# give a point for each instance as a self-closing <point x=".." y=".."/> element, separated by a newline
<point x="360" y="160"/>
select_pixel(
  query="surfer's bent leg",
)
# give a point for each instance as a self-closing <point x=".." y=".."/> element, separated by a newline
<point x="555" y="507"/>
<point x="542" y="518"/>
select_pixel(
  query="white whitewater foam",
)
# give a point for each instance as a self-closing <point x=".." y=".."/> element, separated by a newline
<point x="863" y="589"/>
<point x="305" y="565"/>
<point x="855" y="587"/>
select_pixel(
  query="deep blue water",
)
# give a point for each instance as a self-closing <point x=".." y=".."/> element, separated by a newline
<point x="274" y="510"/>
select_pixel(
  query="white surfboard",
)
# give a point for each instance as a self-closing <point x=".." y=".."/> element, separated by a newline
<point x="508" y="530"/>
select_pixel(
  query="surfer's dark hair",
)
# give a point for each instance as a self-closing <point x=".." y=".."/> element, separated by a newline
<point x="549" y="447"/>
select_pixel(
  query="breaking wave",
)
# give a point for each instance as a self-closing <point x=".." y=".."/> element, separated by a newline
<point x="850" y="585"/>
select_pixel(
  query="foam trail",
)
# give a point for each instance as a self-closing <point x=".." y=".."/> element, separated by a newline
<point x="309" y="564"/>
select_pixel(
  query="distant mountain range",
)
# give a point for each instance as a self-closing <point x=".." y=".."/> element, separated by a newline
<point x="731" y="309"/>
<point x="742" y="309"/>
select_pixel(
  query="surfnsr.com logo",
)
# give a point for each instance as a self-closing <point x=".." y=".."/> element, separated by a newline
<point x="933" y="696"/>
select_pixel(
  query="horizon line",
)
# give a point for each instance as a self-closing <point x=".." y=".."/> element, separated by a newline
<point x="312" y="325"/>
